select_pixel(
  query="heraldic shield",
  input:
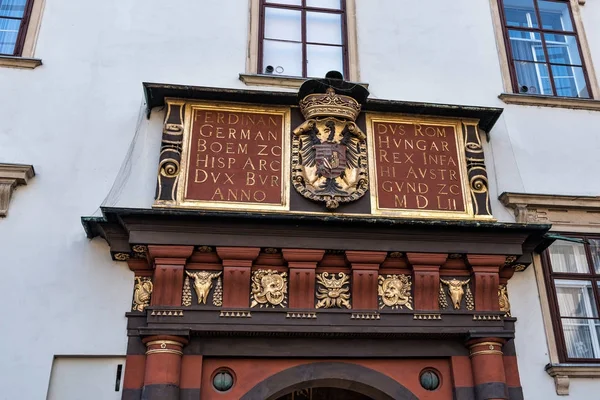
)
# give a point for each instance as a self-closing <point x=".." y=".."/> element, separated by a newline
<point x="329" y="152"/>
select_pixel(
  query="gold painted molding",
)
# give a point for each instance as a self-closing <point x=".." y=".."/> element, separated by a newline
<point x="563" y="372"/>
<point x="549" y="101"/>
<point x="565" y="213"/>
<point x="11" y="176"/>
<point x="19" y="62"/>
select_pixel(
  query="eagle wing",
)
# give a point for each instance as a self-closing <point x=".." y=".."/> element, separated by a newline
<point x="352" y="148"/>
<point x="308" y="152"/>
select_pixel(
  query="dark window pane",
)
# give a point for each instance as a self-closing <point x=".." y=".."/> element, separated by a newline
<point x="283" y="24"/>
<point x="526" y="46"/>
<point x="555" y="15"/>
<point x="562" y="49"/>
<point x="9" y="30"/>
<point x="569" y="81"/>
<point x="581" y="338"/>
<point x="12" y="8"/>
<point x="520" y="13"/>
<point x="333" y="4"/>
<point x="284" y="57"/>
<point x="533" y="78"/>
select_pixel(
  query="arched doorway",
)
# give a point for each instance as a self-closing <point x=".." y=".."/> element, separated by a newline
<point x="324" y="393"/>
<point x="333" y="378"/>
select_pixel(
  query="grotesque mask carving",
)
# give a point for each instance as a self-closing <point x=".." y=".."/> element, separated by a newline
<point x="333" y="292"/>
<point x="269" y="288"/>
<point x="203" y="283"/>
<point x="394" y="291"/>
<point x="141" y="294"/>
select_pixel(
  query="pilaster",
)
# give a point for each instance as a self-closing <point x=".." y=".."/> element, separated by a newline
<point x="486" y="279"/>
<point x="426" y="278"/>
<point x="302" y="264"/>
<point x="237" y="266"/>
<point x="365" y="266"/>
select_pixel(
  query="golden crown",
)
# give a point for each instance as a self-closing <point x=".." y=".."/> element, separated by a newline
<point x="329" y="104"/>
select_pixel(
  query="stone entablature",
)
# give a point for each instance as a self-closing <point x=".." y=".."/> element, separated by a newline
<point x="565" y="213"/>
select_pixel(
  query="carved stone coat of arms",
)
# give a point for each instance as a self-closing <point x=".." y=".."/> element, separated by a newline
<point x="329" y="154"/>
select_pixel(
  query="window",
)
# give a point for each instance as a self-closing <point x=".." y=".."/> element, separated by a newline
<point x="14" y="18"/>
<point x="543" y="48"/>
<point x="573" y="273"/>
<point x="302" y="38"/>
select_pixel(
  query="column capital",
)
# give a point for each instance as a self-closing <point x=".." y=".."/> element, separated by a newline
<point x="304" y="258"/>
<point x="164" y="344"/>
<point x="238" y="253"/>
<point x="435" y="259"/>
<point x="486" y="260"/>
<point x="172" y="253"/>
<point x="365" y="259"/>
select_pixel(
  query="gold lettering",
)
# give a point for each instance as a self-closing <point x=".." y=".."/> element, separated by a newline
<point x="386" y="186"/>
<point x="217" y="192"/>
<point x="245" y="134"/>
<point x="229" y="120"/>
<point x="220" y="134"/>
<point x="231" y="131"/>
<point x="249" y="162"/>
<point x="399" y="202"/>
<point x="208" y="117"/>
<point x="198" y="179"/>
<point x="250" y="181"/>
<point x="383" y="155"/>
<point x="220" y="118"/>
<point x="422" y="201"/>
<point x="202" y="130"/>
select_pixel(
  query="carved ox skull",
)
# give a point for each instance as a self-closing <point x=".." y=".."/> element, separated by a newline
<point x="455" y="290"/>
<point x="202" y="283"/>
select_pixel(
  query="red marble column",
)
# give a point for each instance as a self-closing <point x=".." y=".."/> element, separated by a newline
<point x="426" y="279"/>
<point x="237" y="268"/>
<point x="365" y="266"/>
<point x="169" y="263"/>
<point x="486" y="280"/>
<point x="302" y="264"/>
<point x="163" y="367"/>
<point x="487" y="363"/>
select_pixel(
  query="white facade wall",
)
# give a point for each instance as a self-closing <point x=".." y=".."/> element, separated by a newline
<point x="75" y="117"/>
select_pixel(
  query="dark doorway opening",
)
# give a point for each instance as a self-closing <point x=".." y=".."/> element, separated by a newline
<point x="324" y="393"/>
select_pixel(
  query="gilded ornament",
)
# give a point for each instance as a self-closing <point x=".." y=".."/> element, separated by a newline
<point x="121" y="256"/>
<point x="469" y="300"/>
<point x="218" y="293"/>
<point x="394" y="291"/>
<point x="186" y="298"/>
<point x="503" y="300"/>
<point x="333" y="291"/>
<point x="456" y="291"/>
<point x="269" y="288"/>
<point x="442" y="300"/>
<point x="205" y="249"/>
<point x="203" y="283"/>
<point x="329" y="152"/>
<point x="142" y="293"/>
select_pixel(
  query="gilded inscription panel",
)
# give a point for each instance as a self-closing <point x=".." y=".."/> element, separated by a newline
<point x="418" y="167"/>
<point x="235" y="157"/>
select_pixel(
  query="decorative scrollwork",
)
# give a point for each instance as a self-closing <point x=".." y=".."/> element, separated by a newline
<point x="333" y="291"/>
<point x="394" y="291"/>
<point x="142" y="293"/>
<point x="269" y="288"/>
<point x="503" y="300"/>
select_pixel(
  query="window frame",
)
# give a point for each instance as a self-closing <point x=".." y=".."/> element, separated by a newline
<point x="303" y="8"/>
<point x="541" y="31"/>
<point x="23" y="29"/>
<point x="590" y="276"/>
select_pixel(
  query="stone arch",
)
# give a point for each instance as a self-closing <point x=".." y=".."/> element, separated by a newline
<point x="330" y="374"/>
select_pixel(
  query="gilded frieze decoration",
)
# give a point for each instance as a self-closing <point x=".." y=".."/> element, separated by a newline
<point x="394" y="291"/>
<point x="170" y="152"/>
<point x="333" y="292"/>
<point x="142" y="293"/>
<point x="329" y="151"/>
<point x="503" y="300"/>
<point x="476" y="171"/>
<point x="456" y="290"/>
<point x="225" y="156"/>
<point x="269" y="288"/>
<point x="203" y="283"/>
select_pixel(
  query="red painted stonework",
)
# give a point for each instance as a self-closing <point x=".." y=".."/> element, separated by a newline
<point x="191" y="372"/>
<point x="486" y="276"/>
<point x="237" y="266"/>
<point x="487" y="361"/>
<point x="365" y="265"/>
<point x="426" y="279"/>
<point x="163" y="364"/>
<point x="302" y="264"/>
